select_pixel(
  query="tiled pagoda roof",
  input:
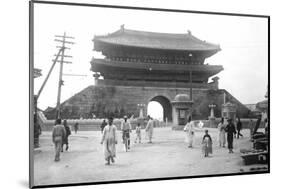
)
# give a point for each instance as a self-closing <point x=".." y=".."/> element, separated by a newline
<point x="163" y="41"/>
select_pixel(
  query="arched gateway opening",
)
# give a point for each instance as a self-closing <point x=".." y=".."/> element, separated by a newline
<point x="155" y="110"/>
<point x="160" y="105"/>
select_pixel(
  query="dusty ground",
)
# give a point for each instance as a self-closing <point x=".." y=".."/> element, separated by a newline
<point x="168" y="156"/>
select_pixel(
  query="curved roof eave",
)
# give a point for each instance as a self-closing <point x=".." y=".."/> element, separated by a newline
<point x="153" y="40"/>
<point x="217" y="49"/>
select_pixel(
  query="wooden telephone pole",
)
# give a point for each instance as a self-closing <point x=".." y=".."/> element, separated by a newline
<point x="61" y="55"/>
<point x="63" y="41"/>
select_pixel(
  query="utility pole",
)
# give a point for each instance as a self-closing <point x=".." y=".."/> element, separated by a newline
<point x="49" y="73"/>
<point x="190" y="82"/>
<point x="191" y="92"/>
<point x="62" y="40"/>
<point x="36" y="97"/>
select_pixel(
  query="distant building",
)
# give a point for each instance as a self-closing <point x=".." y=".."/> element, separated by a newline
<point x="253" y="108"/>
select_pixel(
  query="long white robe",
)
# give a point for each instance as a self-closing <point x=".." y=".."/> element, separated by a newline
<point x="222" y="139"/>
<point x="190" y="133"/>
<point x="149" y="129"/>
<point x="109" y="139"/>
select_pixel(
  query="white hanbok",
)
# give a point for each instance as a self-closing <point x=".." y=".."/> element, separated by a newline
<point x="109" y="140"/>
<point x="190" y="133"/>
<point x="222" y="139"/>
<point x="149" y="129"/>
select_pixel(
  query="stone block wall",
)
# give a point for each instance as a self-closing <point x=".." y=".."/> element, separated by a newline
<point x="122" y="100"/>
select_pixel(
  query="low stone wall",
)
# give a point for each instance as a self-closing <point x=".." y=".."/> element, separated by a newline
<point x="94" y="124"/>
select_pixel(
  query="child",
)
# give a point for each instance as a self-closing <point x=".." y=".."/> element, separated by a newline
<point x="138" y="133"/>
<point x="207" y="144"/>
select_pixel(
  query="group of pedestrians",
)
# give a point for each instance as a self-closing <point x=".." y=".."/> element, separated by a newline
<point x="190" y="135"/>
<point x="109" y="136"/>
<point x="227" y="133"/>
<point x="61" y="132"/>
<point x="229" y="130"/>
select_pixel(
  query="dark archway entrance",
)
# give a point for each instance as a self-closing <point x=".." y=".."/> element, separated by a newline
<point x="167" y="107"/>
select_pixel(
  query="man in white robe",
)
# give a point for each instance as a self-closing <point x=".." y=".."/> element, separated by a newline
<point x="109" y="140"/>
<point x="149" y="129"/>
<point x="190" y="132"/>
<point x="221" y="129"/>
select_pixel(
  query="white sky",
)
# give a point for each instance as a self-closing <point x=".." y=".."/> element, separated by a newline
<point x="243" y="41"/>
<point x="155" y="110"/>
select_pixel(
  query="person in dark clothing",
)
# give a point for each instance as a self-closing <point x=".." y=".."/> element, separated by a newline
<point x="58" y="135"/>
<point x="230" y="129"/>
<point x="65" y="139"/>
<point x="207" y="144"/>
<point x="239" y="128"/>
<point x="207" y="135"/>
<point x="37" y="131"/>
<point x="76" y="127"/>
<point x="103" y="124"/>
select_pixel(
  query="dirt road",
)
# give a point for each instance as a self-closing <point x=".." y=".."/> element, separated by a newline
<point x="167" y="156"/>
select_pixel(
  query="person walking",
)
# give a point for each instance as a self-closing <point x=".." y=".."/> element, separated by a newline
<point x="190" y="132"/>
<point x="57" y="135"/>
<point x="103" y="124"/>
<point x="65" y="139"/>
<point x="109" y="140"/>
<point x="239" y="128"/>
<point x="126" y="129"/>
<point x="221" y="128"/>
<point x="207" y="144"/>
<point x="138" y="133"/>
<point x="230" y="130"/>
<point x="149" y="128"/>
<point x="76" y="127"/>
